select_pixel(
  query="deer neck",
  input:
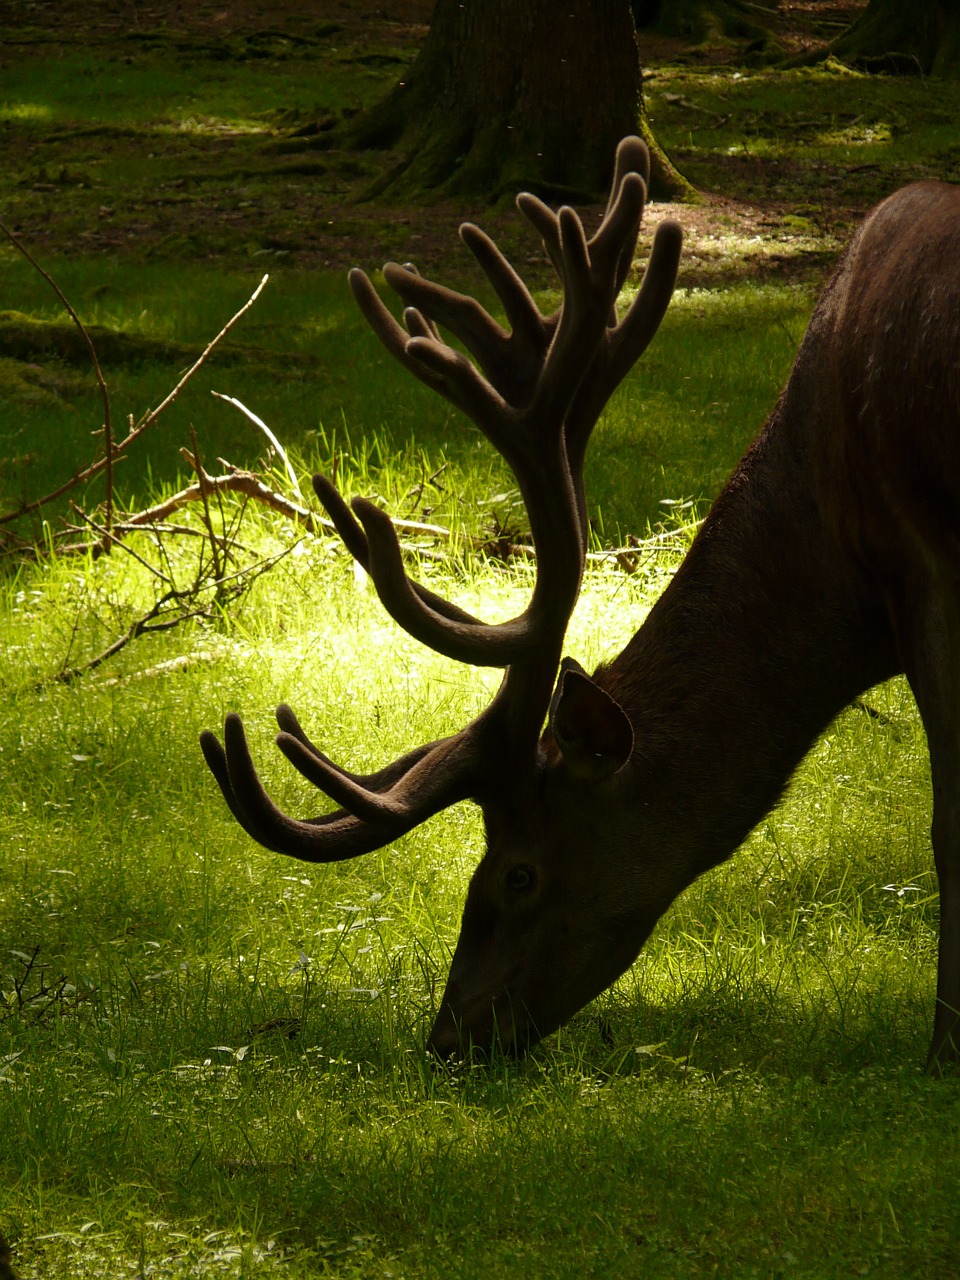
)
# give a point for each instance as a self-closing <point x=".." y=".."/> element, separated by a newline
<point x="769" y="628"/>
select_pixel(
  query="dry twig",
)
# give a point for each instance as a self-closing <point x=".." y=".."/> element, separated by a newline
<point x="113" y="451"/>
<point x="101" y="383"/>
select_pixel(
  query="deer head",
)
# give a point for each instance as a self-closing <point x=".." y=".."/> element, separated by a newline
<point x="543" y="929"/>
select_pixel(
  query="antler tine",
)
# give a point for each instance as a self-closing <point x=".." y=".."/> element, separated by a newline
<point x="217" y="760"/>
<point x="550" y="371"/>
<point x="626" y="341"/>
<point x="366" y="804"/>
<point x="613" y="244"/>
<point x="583" y="318"/>
<point x="633" y="156"/>
<point x="514" y="362"/>
<point x="510" y="360"/>
<point x="479" y="644"/>
<point x="355" y="540"/>
<point x="535" y="391"/>
<point x="507" y="423"/>
<point x="430" y="330"/>
<point x="381" y="780"/>
<point x="440" y="368"/>
<point x="432" y="361"/>
<point x="350" y="531"/>
<point x="616" y="236"/>
<point x="632" y="161"/>
<point x="458" y="312"/>
<point x="642" y="318"/>
<point x="393" y="336"/>
<point x="419" y="325"/>
<point x="528" y="327"/>
<point x="419" y="791"/>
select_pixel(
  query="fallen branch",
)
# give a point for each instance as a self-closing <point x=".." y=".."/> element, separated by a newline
<point x="150" y="418"/>
<point x="250" y="485"/>
<point x="247" y="483"/>
<point x="136" y="430"/>
<point x="168" y="611"/>
<point x="171" y="666"/>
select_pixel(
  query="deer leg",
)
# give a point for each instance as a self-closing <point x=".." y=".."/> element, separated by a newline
<point x="945" y="1046"/>
<point x="933" y="669"/>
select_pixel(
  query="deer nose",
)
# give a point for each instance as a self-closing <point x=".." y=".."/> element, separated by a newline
<point x="446" y="1039"/>
<point x="443" y="1042"/>
<point x="478" y="1039"/>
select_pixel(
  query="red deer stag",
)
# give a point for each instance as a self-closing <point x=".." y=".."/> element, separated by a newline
<point x="830" y="562"/>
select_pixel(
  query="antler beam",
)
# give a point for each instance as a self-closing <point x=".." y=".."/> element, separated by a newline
<point x="535" y="390"/>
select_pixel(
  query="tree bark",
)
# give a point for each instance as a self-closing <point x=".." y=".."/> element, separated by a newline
<point x="922" y="37"/>
<point x="507" y="96"/>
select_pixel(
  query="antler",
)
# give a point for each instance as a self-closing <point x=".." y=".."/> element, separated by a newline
<point x="535" y="390"/>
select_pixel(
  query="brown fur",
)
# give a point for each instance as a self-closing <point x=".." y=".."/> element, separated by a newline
<point x="830" y="562"/>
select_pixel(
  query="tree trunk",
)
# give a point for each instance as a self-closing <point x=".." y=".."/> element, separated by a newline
<point x="696" y="21"/>
<point x="507" y="96"/>
<point x="922" y="37"/>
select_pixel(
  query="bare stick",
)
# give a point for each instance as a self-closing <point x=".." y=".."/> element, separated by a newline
<point x="149" y="418"/>
<point x="110" y="536"/>
<point x="204" y="498"/>
<point x="252" y="486"/>
<point x="138" y="628"/>
<point x="135" y="430"/>
<point x="259" y="422"/>
<point x="79" y="478"/>
<point x="157" y="616"/>
<point x="107" y="460"/>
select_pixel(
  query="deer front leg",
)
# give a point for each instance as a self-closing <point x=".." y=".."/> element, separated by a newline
<point x="945" y="762"/>
<point x="933" y="668"/>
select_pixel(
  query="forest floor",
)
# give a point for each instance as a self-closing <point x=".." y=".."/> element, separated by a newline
<point x="212" y="1063"/>
<point x="163" y="178"/>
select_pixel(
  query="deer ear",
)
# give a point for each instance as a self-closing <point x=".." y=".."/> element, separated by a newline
<point x="593" y="731"/>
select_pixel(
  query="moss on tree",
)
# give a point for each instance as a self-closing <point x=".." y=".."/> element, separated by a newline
<point x="506" y="96"/>
<point x="920" y="38"/>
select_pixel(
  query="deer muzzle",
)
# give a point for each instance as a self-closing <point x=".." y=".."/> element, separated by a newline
<point x="480" y="1027"/>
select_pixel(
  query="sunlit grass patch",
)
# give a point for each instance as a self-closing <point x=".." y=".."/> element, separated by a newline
<point x="25" y="112"/>
<point x="212" y="1057"/>
<point x="239" y="1037"/>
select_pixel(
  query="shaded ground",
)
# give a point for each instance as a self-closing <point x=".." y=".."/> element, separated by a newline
<point x="113" y="18"/>
<point x="169" y="163"/>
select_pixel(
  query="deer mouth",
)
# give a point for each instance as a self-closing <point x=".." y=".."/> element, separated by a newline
<point x="481" y="1029"/>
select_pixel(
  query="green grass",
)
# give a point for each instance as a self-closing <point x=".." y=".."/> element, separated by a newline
<point x="193" y="86"/>
<point x="304" y="360"/>
<point x="823" y="137"/>
<point x="211" y="1057"/>
<point x="747" y="1101"/>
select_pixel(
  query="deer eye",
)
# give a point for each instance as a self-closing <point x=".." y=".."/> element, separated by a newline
<point x="521" y="879"/>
